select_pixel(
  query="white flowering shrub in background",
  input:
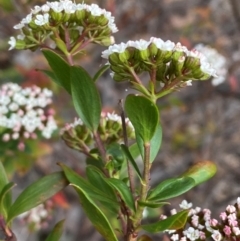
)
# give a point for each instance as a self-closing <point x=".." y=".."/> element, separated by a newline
<point x="25" y="113"/>
<point x="218" y="62"/>
<point x="201" y="225"/>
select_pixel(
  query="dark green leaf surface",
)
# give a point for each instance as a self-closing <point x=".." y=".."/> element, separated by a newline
<point x="132" y="161"/>
<point x="152" y="204"/>
<point x="100" y="72"/>
<point x="171" y="188"/>
<point x="143" y="114"/>
<point x="56" y="233"/>
<point x="37" y="193"/>
<point x="96" y="216"/>
<point x="124" y="191"/>
<point x="60" y="68"/>
<point x="52" y="76"/>
<point x="86" y="98"/>
<point x="155" y="143"/>
<point x="173" y="222"/>
<point x="5" y="203"/>
<point x="97" y="179"/>
<point x="6" y="198"/>
<point x="92" y="191"/>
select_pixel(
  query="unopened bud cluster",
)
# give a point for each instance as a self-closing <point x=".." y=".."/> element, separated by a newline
<point x="201" y="226"/>
<point x="25" y="113"/>
<point x="77" y="136"/>
<point x="38" y="217"/>
<point x="68" y="24"/>
<point x="218" y="61"/>
<point x="168" y="60"/>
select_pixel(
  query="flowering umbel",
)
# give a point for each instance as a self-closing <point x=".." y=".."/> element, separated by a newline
<point x="168" y="64"/>
<point x="25" y="113"/>
<point x="201" y="226"/>
<point x="77" y="136"/>
<point x="67" y="24"/>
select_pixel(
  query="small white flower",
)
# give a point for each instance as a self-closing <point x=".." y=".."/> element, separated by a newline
<point x="42" y="19"/>
<point x="18" y="26"/>
<point x="189" y="83"/>
<point x="216" y="235"/>
<point x="45" y="8"/>
<point x="231" y="209"/>
<point x="139" y="44"/>
<point x="185" y="205"/>
<point x="236" y="231"/>
<point x="175" y="237"/>
<point x="27" y="19"/>
<point x="191" y="233"/>
<point x="116" y="48"/>
<point x="165" y="46"/>
<point x="12" y="42"/>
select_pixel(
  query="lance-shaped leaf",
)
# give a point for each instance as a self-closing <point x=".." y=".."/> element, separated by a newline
<point x="171" y="188"/>
<point x="155" y="143"/>
<point x="60" y="68"/>
<point x="6" y="199"/>
<point x="37" y="193"/>
<point x="124" y="191"/>
<point x="96" y="216"/>
<point x="86" y="98"/>
<point x="96" y="178"/>
<point x="201" y="171"/>
<point x="100" y="72"/>
<point x="173" y="222"/>
<point x="132" y="161"/>
<point x="150" y="204"/>
<point x="57" y="231"/>
<point x="144" y="116"/>
<point x="92" y="191"/>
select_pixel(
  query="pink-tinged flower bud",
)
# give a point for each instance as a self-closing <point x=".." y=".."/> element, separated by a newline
<point x="21" y="146"/>
<point x="6" y="137"/>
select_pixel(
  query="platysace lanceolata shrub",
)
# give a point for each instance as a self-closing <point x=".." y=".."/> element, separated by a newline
<point x="117" y="188"/>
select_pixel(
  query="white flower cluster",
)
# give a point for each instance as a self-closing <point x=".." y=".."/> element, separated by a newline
<point x="38" y="216"/>
<point x="44" y="16"/>
<point x="200" y="225"/>
<point x="218" y="61"/>
<point x="23" y="112"/>
<point x="141" y="45"/>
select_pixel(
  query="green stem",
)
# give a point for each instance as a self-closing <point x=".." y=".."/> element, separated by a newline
<point x="137" y="218"/>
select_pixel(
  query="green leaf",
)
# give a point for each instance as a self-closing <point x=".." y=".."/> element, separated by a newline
<point x="174" y="222"/>
<point x="155" y="143"/>
<point x="132" y="161"/>
<point x="52" y="76"/>
<point x="92" y="191"/>
<point x="201" y="171"/>
<point x="171" y="188"/>
<point x="5" y="203"/>
<point x="100" y="72"/>
<point x="60" y="68"/>
<point x="6" y="198"/>
<point x="134" y="150"/>
<point x="57" y="231"/>
<point x="96" y="216"/>
<point x="143" y="114"/>
<point x="124" y="191"/>
<point x="37" y="193"/>
<point x="86" y="98"/>
<point x="152" y="204"/>
<point x="97" y="179"/>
